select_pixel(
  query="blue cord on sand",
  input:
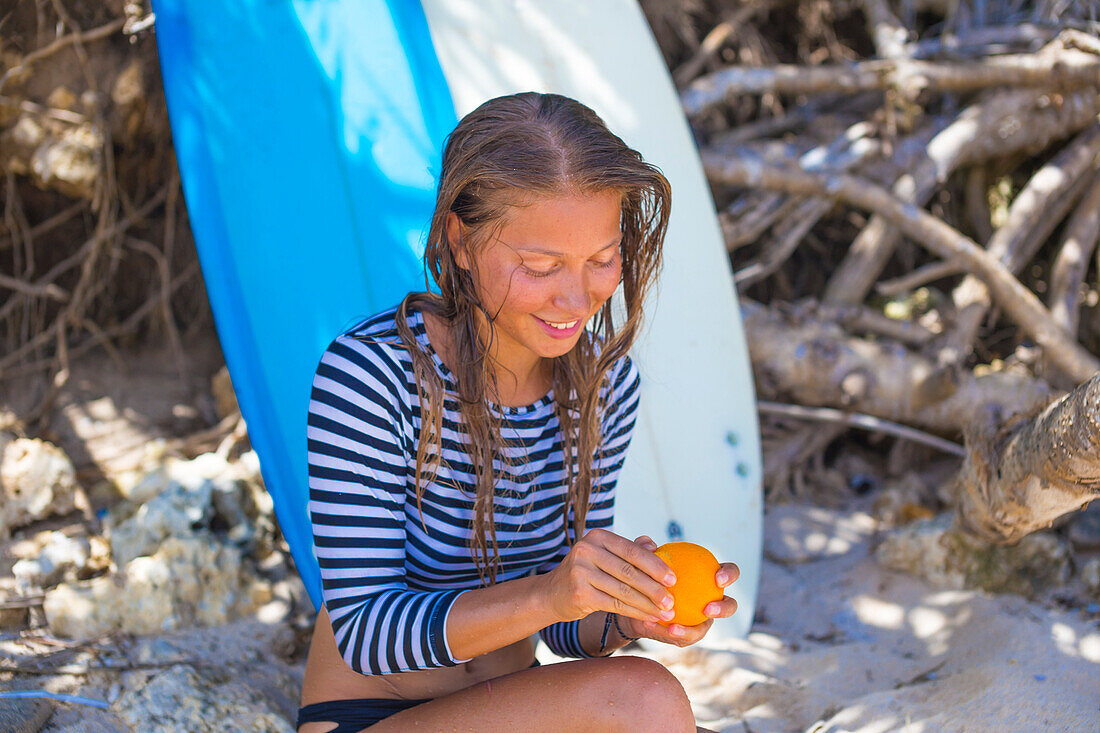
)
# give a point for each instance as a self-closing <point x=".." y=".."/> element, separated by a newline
<point x="56" y="696"/>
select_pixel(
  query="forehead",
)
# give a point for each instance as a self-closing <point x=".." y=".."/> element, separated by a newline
<point x="564" y="223"/>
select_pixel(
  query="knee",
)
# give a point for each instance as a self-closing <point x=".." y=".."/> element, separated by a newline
<point x="648" y="695"/>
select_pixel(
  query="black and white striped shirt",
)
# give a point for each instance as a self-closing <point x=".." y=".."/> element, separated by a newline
<point x="390" y="576"/>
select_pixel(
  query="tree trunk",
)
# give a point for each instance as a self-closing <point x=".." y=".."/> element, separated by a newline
<point x="1024" y="476"/>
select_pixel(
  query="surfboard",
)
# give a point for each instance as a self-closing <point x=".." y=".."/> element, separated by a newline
<point x="307" y="134"/>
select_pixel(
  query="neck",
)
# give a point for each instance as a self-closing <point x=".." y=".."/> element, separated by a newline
<point x="520" y="376"/>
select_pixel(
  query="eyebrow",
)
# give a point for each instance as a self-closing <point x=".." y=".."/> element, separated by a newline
<point x="554" y="253"/>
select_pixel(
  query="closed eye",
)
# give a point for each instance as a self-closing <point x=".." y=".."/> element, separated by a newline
<point x="539" y="273"/>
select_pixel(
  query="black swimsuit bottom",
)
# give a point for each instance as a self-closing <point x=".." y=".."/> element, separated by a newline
<point x="352" y="716"/>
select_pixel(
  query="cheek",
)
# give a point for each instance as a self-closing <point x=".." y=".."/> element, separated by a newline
<point x="507" y="291"/>
<point x="604" y="285"/>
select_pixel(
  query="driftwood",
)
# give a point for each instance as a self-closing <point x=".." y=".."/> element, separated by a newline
<point x="806" y="357"/>
<point x="1063" y="68"/>
<point x="1024" y="476"/>
<point x="1068" y="272"/>
<point x="998" y="125"/>
<point x="1018" y="302"/>
<point x="1039" y="206"/>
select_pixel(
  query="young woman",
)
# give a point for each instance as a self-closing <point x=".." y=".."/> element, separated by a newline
<point x="464" y="448"/>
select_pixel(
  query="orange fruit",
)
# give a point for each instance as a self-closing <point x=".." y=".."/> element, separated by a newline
<point x="695" y="586"/>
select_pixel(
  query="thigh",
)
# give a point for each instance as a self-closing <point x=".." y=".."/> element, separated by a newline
<point x="605" y="695"/>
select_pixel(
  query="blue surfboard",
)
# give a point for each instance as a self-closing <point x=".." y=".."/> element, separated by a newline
<point x="307" y="170"/>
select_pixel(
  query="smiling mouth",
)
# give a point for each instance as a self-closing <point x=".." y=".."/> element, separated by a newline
<point x="562" y="326"/>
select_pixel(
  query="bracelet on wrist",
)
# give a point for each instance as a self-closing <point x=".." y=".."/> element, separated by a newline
<point x="619" y="629"/>
<point x="609" y="619"/>
<point x="606" y="629"/>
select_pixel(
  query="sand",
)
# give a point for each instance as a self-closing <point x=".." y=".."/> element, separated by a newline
<point x="840" y="644"/>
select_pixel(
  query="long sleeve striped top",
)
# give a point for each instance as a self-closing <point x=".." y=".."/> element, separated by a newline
<point x="389" y="575"/>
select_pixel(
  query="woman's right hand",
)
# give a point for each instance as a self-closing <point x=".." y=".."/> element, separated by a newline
<point x="606" y="572"/>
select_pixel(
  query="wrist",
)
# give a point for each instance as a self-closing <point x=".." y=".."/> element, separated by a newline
<point x="624" y="627"/>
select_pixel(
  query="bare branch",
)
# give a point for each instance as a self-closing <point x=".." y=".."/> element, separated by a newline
<point x="1062" y="69"/>
<point x="1068" y="272"/>
<point x="857" y="420"/>
<point x="1018" y="302"/>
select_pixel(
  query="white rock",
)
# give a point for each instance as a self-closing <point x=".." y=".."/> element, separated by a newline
<point x="191" y="581"/>
<point x="184" y="498"/>
<point x="183" y="699"/>
<point x="37" y="480"/>
<point x="175" y="512"/>
<point x="188" y="474"/>
<point x="61" y="557"/>
<point x="918" y="549"/>
<point x="946" y="557"/>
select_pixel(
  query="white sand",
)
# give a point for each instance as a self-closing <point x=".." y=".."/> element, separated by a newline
<point x="841" y="644"/>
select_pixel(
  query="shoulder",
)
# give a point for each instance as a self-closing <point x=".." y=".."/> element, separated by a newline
<point x="623" y="380"/>
<point x="368" y="354"/>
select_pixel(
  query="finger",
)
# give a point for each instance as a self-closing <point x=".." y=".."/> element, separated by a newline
<point x="720" y="609"/>
<point x="646" y="542"/>
<point x="635" y="556"/>
<point x="677" y="634"/>
<point x="637" y="607"/>
<point x="631" y="589"/>
<point x="727" y="573"/>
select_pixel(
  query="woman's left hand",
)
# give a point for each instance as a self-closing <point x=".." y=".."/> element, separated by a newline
<point x="679" y="634"/>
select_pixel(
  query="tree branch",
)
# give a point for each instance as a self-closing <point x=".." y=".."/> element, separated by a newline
<point x="1018" y="302"/>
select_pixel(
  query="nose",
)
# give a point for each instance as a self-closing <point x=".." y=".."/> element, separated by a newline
<point x="574" y="297"/>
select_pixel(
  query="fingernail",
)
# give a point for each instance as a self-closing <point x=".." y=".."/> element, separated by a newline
<point x="676" y="630"/>
<point x="668" y="615"/>
<point x="670" y="579"/>
<point x="712" y="609"/>
<point x="722" y="577"/>
<point x="667" y="602"/>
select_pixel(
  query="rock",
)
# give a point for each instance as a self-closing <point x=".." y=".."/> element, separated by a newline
<point x="177" y="511"/>
<point x="918" y="549"/>
<point x="1084" y="528"/>
<point x="188" y="474"/>
<point x="183" y="699"/>
<point x="188" y="582"/>
<point x="1090" y="576"/>
<point x="57" y="155"/>
<point x="61" y="558"/>
<point x="37" y="480"/>
<point x="796" y="533"/>
<point x="938" y="552"/>
<point x="24" y="715"/>
<point x="903" y="501"/>
<point x="185" y="497"/>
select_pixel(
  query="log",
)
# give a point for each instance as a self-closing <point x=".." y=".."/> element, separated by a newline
<point x="1056" y="68"/>
<point x="805" y="357"/>
<point x="1022" y="477"/>
<point x="1019" y="303"/>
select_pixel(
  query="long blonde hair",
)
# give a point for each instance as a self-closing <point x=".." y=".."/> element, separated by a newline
<point x="511" y="149"/>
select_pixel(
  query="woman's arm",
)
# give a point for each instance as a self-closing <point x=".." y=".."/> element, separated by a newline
<point x="602" y="571"/>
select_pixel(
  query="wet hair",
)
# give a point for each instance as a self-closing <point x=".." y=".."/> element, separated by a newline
<point x="508" y="152"/>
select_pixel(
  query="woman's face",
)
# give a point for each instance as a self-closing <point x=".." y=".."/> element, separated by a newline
<point x="546" y="272"/>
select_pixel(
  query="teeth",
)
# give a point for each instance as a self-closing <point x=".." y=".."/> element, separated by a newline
<point x="561" y="326"/>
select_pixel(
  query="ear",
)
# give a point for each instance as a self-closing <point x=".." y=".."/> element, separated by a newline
<point x="455" y="229"/>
